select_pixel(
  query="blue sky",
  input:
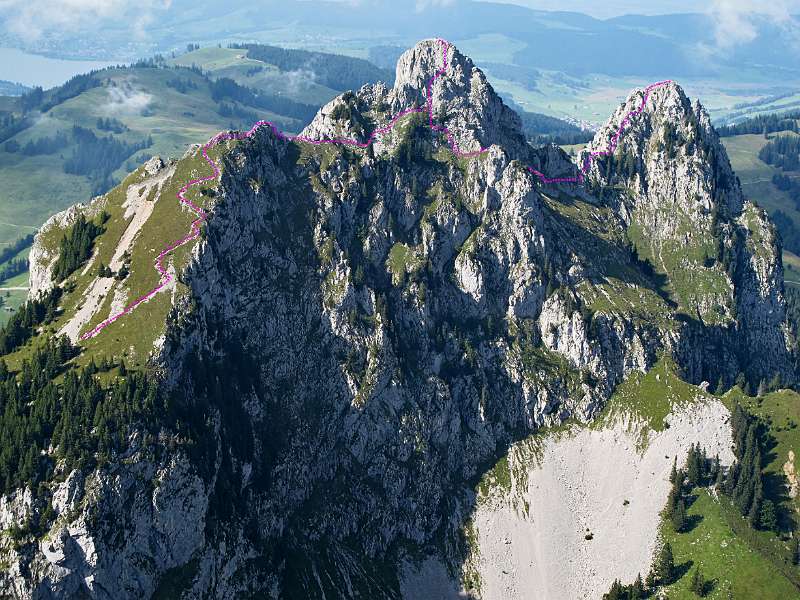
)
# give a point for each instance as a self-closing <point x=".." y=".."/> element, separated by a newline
<point x="37" y="17"/>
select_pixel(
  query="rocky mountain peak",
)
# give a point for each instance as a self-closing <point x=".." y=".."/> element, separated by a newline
<point x="659" y="140"/>
<point x="659" y="164"/>
<point x="465" y="108"/>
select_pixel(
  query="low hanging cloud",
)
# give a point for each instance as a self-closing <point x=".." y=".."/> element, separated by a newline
<point x="736" y="21"/>
<point x="298" y="80"/>
<point x="124" y="98"/>
<point x="30" y="19"/>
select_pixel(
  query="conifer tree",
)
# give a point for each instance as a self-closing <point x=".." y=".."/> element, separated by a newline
<point x="768" y="519"/>
<point x="678" y="516"/>
<point x="754" y="514"/>
<point x="651" y="581"/>
<point x="698" y="583"/>
<point x="720" y="478"/>
<point x="616" y="592"/>
<point x="637" y="589"/>
<point x="665" y="565"/>
<point x="714" y="469"/>
<point x="693" y="466"/>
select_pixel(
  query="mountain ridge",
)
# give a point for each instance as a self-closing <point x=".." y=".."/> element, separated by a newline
<point x="318" y="128"/>
<point x="358" y="337"/>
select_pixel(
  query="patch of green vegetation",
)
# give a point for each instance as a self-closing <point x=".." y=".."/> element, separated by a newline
<point x="509" y="473"/>
<point x="615" y="296"/>
<point x="368" y="379"/>
<point x="722" y="555"/>
<point x="402" y="261"/>
<point x="696" y="279"/>
<point x="594" y="220"/>
<point x="623" y="284"/>
<point x="650" y="397"/>
<point x="780" y="411"/>
<point x="496" y="480"/>
<point x="333" y="288"/>
<point x="323" y="154"/>
<point x="756" y="242"/>
<point x="11" y="301"/>
<point x="326" y="251"/>
<point x="76" y="246"/>
<point x="470" y="245"/>
<point x="445" y="155"/>
<point x="470" y="575"/>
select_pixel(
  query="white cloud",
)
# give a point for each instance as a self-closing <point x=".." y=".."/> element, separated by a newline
<point x="299" y="80"/>
<point x="125" y="98"/>
<point x="735" y="20"/>
<point x="29" y="19"/>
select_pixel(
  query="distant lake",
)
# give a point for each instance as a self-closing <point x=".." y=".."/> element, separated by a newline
<point x="33" y="70"/>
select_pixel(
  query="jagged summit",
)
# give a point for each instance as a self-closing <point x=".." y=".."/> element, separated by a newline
<point x="462" y="100"/>
<point x="667" y="140"/>
<point x="685" y="213"/>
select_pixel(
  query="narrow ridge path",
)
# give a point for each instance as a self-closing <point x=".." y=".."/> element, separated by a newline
<point x="194" y="230"/>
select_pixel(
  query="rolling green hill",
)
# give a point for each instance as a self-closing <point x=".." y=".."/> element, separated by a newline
<point x="309" y="77"/>
<point x="757" y="182"/>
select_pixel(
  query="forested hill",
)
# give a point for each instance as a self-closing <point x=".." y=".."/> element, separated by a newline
<point x="768" y="123"/>
<point x="333" y="70"/>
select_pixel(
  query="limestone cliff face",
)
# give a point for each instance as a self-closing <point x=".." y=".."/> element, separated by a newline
<point x="684" y="211"/>
<point x="364" y="332"/>
<point x="45" y="250"/>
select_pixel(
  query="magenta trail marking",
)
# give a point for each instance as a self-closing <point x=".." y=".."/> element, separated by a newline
<point x="194" y="231"/>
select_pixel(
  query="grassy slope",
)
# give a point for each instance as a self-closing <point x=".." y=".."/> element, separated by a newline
<point x="233" y="63"/>
<point x="721" y="544"/>
<point x="131" y="337"/>
<point x="651" y="396"/>
<point x="723" y="556"/>
<point x="169" y="222"/>
<point x="36" y="187"/>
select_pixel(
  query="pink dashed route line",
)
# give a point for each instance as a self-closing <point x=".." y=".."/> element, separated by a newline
<point x="194" y="231"/>
<point x="612" y="145"/>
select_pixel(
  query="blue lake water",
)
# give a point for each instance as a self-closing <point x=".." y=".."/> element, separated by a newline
<point x="32" y="69"/>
